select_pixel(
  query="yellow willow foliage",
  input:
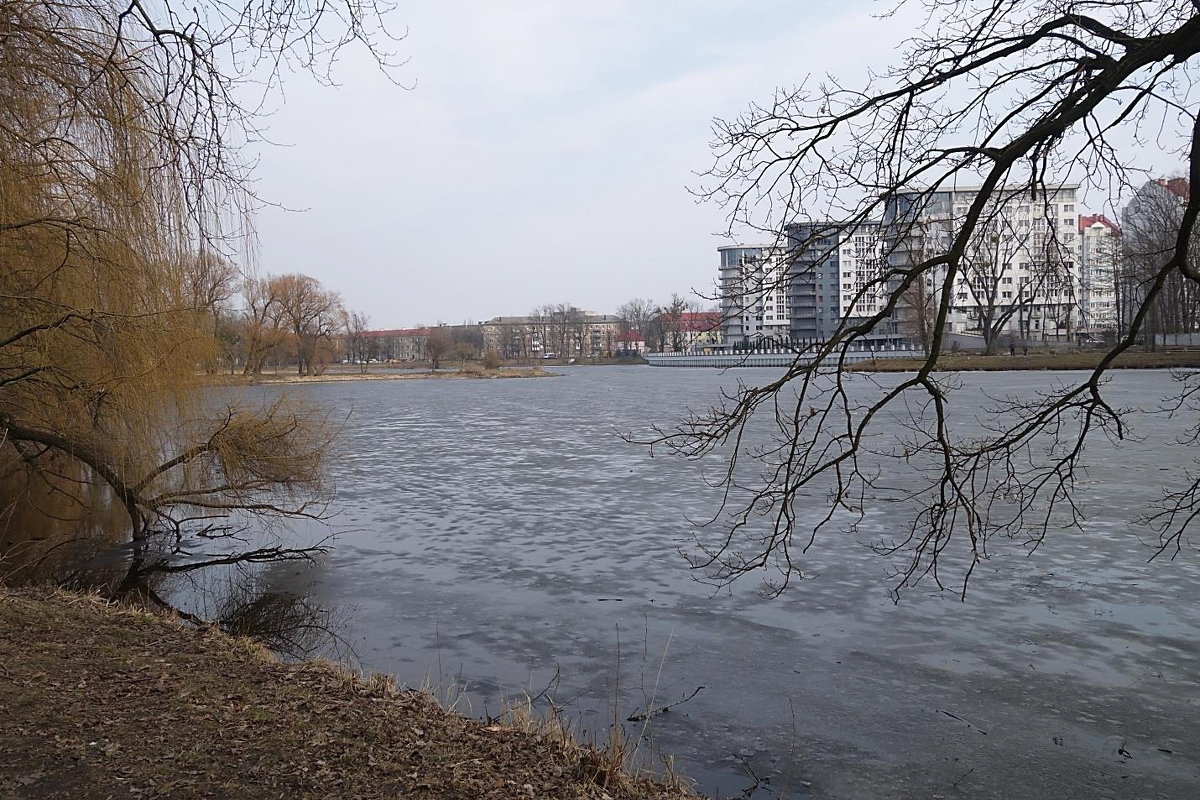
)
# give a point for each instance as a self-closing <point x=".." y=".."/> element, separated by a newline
<point x="91" y="232"/>
<point x="101" y="341"/>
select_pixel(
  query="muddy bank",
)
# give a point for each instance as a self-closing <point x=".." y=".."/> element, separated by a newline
<point x="106" y="701"/>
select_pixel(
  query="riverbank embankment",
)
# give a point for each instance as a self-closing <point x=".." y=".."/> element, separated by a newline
<point x="1088" y="359"/>
<point x="101" y="701"/>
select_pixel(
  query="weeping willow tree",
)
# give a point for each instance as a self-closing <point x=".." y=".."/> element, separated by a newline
<point x="117" y="177"/>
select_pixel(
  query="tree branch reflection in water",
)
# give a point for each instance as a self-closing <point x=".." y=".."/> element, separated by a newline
<point x="213" y="578"/>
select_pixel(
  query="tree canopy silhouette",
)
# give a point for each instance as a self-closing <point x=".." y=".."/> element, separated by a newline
<point x="1009" y="96"/>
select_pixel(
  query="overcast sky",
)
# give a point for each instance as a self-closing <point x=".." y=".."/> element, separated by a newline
<point x="543" y="153"/>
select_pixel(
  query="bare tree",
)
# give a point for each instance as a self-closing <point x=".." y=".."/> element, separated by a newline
<point x="635" y="314"/>
<point x="208" y="281"/>
<point x="559" y="327"/>
<point x="358" y="344"/>
<point x="464" y="351"/>
<point x="1150" y="227"/>
<point x="918" y="313"/>
<point x="672" y="315"/>
<point x="562" y="328"/>
<point x="514" y="341"/>
<point x="1002" y="96"/>
<point x="468" y="341"/>
<point x="438" y="346"/>
<point x="312" y="314"/>
<point x="540" y="330"/>
<point x="657" y="330"/>
<point x="264" y="330"/>
<point x="994" y="297"/>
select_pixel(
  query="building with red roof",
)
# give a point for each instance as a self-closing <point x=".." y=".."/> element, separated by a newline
<point x="1099" y="259"/>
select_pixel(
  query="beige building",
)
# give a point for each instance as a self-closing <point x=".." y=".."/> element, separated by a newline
<point x="402" y="344"/>
<point x="564" y="333"/>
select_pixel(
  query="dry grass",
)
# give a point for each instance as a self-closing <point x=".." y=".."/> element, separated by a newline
<point x="103" y="701"/>
<point x="471" y="372"/>
<point x="613" y="765"/>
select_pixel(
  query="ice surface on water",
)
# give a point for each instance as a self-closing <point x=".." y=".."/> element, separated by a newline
<point x="498" y="531"/>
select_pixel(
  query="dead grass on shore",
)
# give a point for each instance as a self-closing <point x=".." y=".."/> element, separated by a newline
<point x="101" y="701"/>
<point x="337" y="377"/>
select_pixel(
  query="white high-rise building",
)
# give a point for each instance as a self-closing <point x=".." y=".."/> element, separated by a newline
<point x="1100" y="249"/>
<point x="1031" y="272"/>
<point x="753" y="287"/>
<point x="1020" y="274"/>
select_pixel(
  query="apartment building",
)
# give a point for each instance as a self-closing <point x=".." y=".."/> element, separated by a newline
<point x="753" y="289"/>
<point x="697" y="330"/>
<point x="1100" y="250"/>
<point x="560" y="333"/>
<point x="402" y="344"/>
<point x="836" y="272"/>
<point x="1021" y="272"/>
<point x="1034" y="270"/>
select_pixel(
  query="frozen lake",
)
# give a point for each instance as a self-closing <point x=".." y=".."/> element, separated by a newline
<point x="495" y="534"/>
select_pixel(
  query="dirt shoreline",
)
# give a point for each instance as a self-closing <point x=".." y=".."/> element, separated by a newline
<point x="338" y="377"/>
<point x="106" y="701"/>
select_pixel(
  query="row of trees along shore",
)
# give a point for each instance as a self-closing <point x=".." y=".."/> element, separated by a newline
<point x="562" y="329"/>
<point x="280" y="319"/>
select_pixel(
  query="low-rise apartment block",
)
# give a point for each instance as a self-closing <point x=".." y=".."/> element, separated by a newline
<point x="565" y="333"/>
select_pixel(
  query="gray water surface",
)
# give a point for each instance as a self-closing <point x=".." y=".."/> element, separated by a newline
<point x="498" y="533"/>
